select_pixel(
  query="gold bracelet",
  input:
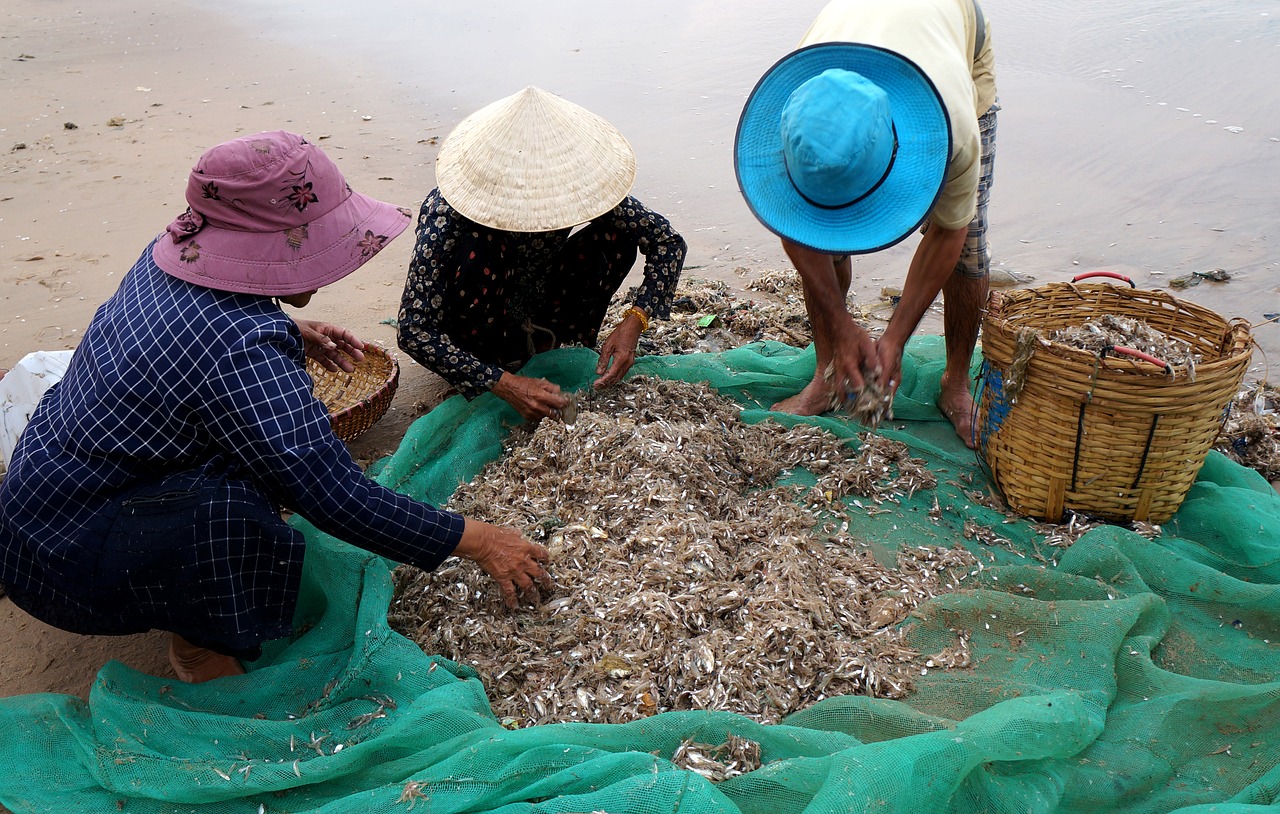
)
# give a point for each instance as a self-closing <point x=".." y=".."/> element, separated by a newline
<point x="640" y="314"/>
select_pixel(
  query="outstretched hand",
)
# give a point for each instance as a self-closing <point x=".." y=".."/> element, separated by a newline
<point x="618" y="353"/>
<point x="534" y="399"/>
<point x="512" y="561"/>
<point x="333" y="346"/>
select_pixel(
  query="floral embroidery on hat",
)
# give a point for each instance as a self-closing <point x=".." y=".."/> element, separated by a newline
<point x="190" y="253"/>
<point x="210" y="190"/>
<point x="261" y="145"/>
<point x="300" y="194"/>
<point x="295" y="236"/>
<point x="371" y="244"/>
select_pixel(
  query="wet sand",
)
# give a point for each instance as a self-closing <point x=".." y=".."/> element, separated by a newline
<point x="1140" y="136"/>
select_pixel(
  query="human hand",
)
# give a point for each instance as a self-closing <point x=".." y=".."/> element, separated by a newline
<point x="331" y="345"/>
<point x="505" y="555"/>
<point x="534" y="399"/>
<point x="854" y="357"/>
<point x="889" y="356"/>
<point x="618" y="353"/>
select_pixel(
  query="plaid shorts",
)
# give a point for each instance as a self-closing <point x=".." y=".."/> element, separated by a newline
<point x="975" y="258"/>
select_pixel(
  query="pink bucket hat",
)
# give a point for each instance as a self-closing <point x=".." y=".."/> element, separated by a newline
<point x="271" y="214"/>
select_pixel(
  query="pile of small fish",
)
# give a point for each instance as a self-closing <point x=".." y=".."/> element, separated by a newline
<point x="783" y="283"/>
<point x="708" y="317"/>
<point x="868" y="406"/>
<point x="697" y="566"/>
<point x="716" y="763"/>
<point x="1110" y="330"/>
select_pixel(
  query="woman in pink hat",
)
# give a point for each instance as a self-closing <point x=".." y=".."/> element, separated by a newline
<point x="146" y="491"/>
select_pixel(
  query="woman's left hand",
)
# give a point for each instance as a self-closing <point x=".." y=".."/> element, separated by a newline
<point x="333" y="346"/>
<point x="618" y="353"/>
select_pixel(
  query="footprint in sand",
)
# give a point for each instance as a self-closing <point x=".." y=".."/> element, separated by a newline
<point x="52" y="337"/>
<point x="60" y="282"/>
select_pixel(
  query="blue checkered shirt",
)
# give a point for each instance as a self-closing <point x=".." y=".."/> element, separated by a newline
<point x="170" y="375"/>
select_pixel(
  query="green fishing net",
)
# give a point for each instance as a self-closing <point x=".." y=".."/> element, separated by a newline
<point x="1121" y="674"/>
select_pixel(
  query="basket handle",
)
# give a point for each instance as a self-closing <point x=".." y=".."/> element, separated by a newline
<point x="1137" y="354"/>
<point x="1113" y="275"/>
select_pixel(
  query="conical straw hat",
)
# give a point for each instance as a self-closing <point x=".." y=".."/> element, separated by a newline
<point x="534" y="162"/>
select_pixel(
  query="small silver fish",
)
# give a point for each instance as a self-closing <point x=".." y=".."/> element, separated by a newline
<point x="569" y="413"/>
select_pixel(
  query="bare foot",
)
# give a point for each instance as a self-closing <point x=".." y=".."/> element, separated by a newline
<point x="814" y="399"/>
<point x="196" y="665"/>
<point x="956" y="403"/>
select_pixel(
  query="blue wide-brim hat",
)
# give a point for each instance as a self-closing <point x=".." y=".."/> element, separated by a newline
<point x="905" y="195"/>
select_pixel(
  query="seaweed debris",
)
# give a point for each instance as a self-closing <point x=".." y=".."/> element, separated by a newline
<point x="1250" y="436"/>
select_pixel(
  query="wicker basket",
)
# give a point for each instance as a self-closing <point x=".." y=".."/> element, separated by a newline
<point x="1110" y="435"/>
<point x="357" y="400"/>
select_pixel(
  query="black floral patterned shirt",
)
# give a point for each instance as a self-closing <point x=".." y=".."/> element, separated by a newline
<point x="447" y="285"/>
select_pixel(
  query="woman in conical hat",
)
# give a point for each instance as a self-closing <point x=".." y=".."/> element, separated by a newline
<point x="145" y="493"/>
<point x="500" y="272"/>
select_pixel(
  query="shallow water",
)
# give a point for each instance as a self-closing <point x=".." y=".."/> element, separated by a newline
<point x="1141" y="136"/>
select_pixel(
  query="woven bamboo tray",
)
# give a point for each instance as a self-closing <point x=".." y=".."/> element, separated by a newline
<point x="357" y="400"/>
<point x="1110" y="435"/>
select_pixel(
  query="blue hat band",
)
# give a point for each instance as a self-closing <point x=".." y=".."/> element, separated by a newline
<point x="888" y="166"/>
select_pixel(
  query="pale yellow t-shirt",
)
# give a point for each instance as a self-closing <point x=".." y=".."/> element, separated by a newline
<point x="938" y="36"/>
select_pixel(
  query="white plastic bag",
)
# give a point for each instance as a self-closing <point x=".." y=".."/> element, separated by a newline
<point x="20" y="392"/>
